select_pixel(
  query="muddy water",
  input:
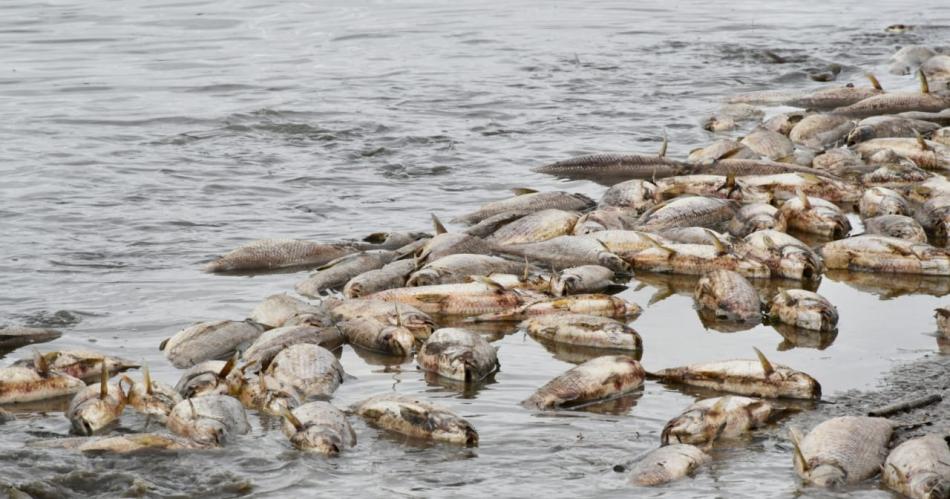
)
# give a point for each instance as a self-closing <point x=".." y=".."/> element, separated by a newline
<point x="140" y="138"/>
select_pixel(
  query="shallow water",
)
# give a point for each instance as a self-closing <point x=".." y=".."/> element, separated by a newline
<point x="140" y="139"/>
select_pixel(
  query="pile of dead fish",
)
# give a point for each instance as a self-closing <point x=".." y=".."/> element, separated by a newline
<point x="551" y="262"/>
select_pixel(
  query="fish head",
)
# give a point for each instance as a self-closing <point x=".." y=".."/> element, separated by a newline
<point x="94" y="415"/>
<point x="612" y="262"/>
<point x="798" y="263"/>
<point x="423" y="277"/>
<point x="860" y="134"/>
<point x="204" y="384"/>
<point x="682" y="427"/>
<point x="564" y="284"/>
<point x="801" y="384"/>
<point x="398" y="340"/>
<point x="318" y="440"/>
<point x="209" y="432"/>
<point x="353" y="289"/>
<point x="451" y="428"/>
<point x="827" y="475"/>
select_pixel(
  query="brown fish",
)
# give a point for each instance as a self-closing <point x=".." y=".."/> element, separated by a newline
<point x="96" y="407"/>
<point x="870" y="253"/>
<point x="268" y="254"/>
<point x="610" y="168"/>
<point x="391" y="275"/>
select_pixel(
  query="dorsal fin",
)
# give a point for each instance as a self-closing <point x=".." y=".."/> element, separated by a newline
<point x="194" y="413"/>
<point x="161" y="346"/>
<point x="103" y="380"/>
<point x="521" y="191"/>
<point x="874" y="83"/>
<point x="437" y="225"/>
<point x="488" y="281"/>
<point x="657" y="244"/>
<point x="289" y="416"/>
<point x="228" y="366"/>
<point x="921" y="142"/>
<point x="769" y="241"/>
<point x="526" y="266"/>
<point x="766" y="365"/>
<point x="398" y="315"/>
<point x="796" y="446"/>
<point x="720" y="247"/>
<point x="39" y="363"/>
<point x="924" y="86"/>
<point x="806" y="204"/>
<point x="720" y="405"/>
<point x="147" y="377"/>
<point x="663" y="147"/>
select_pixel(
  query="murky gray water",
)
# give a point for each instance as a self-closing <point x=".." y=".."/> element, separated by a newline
<point x="140" y="138"/>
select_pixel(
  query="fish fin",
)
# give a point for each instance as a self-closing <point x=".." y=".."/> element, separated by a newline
<point x="289" y="416"/>
<point x="769" y="241"/>
<point x="526" y="266"/>
<point x="721" y="248"/>
<point x="921" y="142"/>
<point x="194" y="413"/>
<point x="437" y="225"/>
<point x="766" y="365"/>
<point x="663" y="147"/>
<point x="901" y="477"/>
<point x="720" y="405"/>
<point x="613" y="289"/>
<point x="147" y="378"/>
<point x="924" y="86"/>
<point x="398" y="315"/>
<point x="874" y="82"/>
<point x="796" y="446"/>
<point x="521" y="191"/>
<point x="657" y="244"/>
<point x="228" y="366"/>
<point x="103" y="380"/>
<point x="40" y="364"/>
<point x="161" y="346"/>
<point x="488" y="281"/>
<point x="660" y="295"/>
<point x="804" y="199"/>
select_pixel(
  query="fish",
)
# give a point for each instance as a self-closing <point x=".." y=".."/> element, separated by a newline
<point x="932" y="187"/>
<point x="335" y="274"/>
<point x="719" y="124"/>
<point x="936" y="67"/>
<point x="899" y="226"/>
<point x="391" y="240"/>
<point x="719" y="186"/>
<point x="898" y="102"/>
<point x="876" y="127"/>
<point x="769" y="144"/>
<point x="491" y="224"/>
<point x="377" y="336"/>
<point x="205" y="378"/>
<point x="211" y="420"/>
<point x="391" y="275"/>
<point x="871" y="253"/>
<point x="908" y="59"/>
<point x="689" y="211"/>
<point x="209" y="341"/>
<point x="413" y="417"/>
<point x="590" y="304"/>
<point x="816" y="216"/>
<point x="305" y="372"/>
<point x="839" y="161"/>
<point x="836" y="97"/>
<point x="538" y="226"/>
<point x="878" y="201"/>
<point x="13" y="337"/>
<point x="611" y="168"/>
<point x="527" y="199"/>
<point x="609" y="218"/>
<point x="637" y="195"/>
<point x="904" y="174"/>
<point x="318" y="427"/>
<point x="919" y="468"/>
<point x="595" y="380"/>
<point x="96" y="407"/>
<point x="136" y="442"/>
<point x="716" y="418"/>
<point x="23" y="384"/>
<point x="696" y="235"/>
<point x="796" y="337"/>
<point x="720" y="149"/>
<point x="941" y="136"/>
<point x="785" y="186"/>
<point x="755" y="217"/>
<point x="409" y="317"/>
<point x="83" y="364"/>
<point x="619" y="241"/>
<point x="943" y="321"/>
<point x="584" y="331"/>
<point x="784" y="255"/>
<point x="450" y="243"/>
<point x="152" y="398"/>
<point x="277" y="309"/>
<point x="668" y="463"/>
<point x="729" y="295"/>
<point x="269" y="344"/>
<point x="694" y="259"/>
<point x="926" y="154"/>
<point x="570" y="251"/>
<point x="935" y="215"/>
<point x="582" y="279"/>
<point x="756" y="378"/>
<point x="458" y="354"/>
<point x="468" y="299"/>
<point x="803" y="309"/>
<point x="821" y="131"/>
<point x="842" y="450"/>
<point x="269" y="254"/>
<point x="457" y="268"/>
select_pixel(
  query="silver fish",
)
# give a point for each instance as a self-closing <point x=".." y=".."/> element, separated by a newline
<point x="729" y="295"/>
<point x="926" y="154"/>
<point x="416" y="418"/>
<point x="538" y="226"/>
<point x="783" y="123"/>
<point x="13" y="337"/>
<point x="392" y="275"/>
<point x="376" y="336"/>
<point x="267" y="254"/>
<point x="899" y="226"/>
<point x="919" y="468"/>
<point x="842" y="450"/>
<point x="23" y="384"/>
<point x="570" y="251"/>
<point x="720" y="149"/>
<point x="409" y="317"/>
<point x="529" y="200"/>
<point x="206" y="378"/>
<point x="269" y="344"/>
<point x="695" y="259"/>
<point x="889" y="126"/>
<point x="784" y="255"/>
<point x="582" y="279"/>
<point x="769" y="144"/>
<point x="318" y="427"/>
<point x="584" y="330"/>
<point x="595" y="380"/>
<point x="754" y="217"/>
<point x="209" y="341"/>
<point x="691" y="211"/>
<point x="277" y="309"/>
<point x="695" y="235"/>
<point x="96" y="406"/>
<point x="666" y="464"/>
<point x="491" y="224"/>
<point x="473" y="298"/>
<point x="821" y="131"/>
<point x="816" y="216"/>
<point x="458" y="354"/>
<point x="336" y="273"/>
<point x="451" y="243"/>
<point x="589" y="304"/>
<point x="613" y="168"/>
<point x="306" y="372"/>
<point x="453" y="269"/>
<point x="878" y="201"/>
<point x="636" y="194"/>
<point x="896" y="102"/>
<point x="609" y="218"/>
<point x="150" y="397"/>
<point x="716" y="418"/>
<point x="210" y="420"/>
<point x="804" y="309"/>
<point x="870" y="253"/>
<point x="786" y="186"/>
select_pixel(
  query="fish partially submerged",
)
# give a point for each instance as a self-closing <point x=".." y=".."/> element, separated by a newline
<point x="570" y="251"/>
<point x="666" y="464"/>
<point x="206" y="378"/>
<point x="318" y="427"/>
<point x="269" y="254"/>
<point x="729" y="295"/>
<point x="209" y="341"/>
<point x="816" y="216"/>
<point x="391" y="275"/>
<point x="898" y="102"/>
<point x="584" y="330"/>
<point x="842" y="450"/>
<point x="784" y="255"/>
<point x="899" y="226"/>
<point x="83" y="364"/>
<point x="582" y="279"/>
<point x="803" y="309"/>
<point x="758" y="378"/>
<point x="23" y="384"/>
<point x="336" y="273"/>
<point x="96" y="407"/>
<point x="211" y="420"/>
<point x="417" y="418"/>
<point x="277" y="309"/>
<point x="595" y="380"/>
<point x="150" y="397"/>
<point x="269" y="344"/>
<point x="377" y="336"/>
<point x="527" y="199"/>
<point x="590" y="304"/>
<point x="611" y="168"/>
<point x="871" y="253"/>
<point x="919" y="468"/>
<point x="13" y="337"/>
<point x="694" y="259"/>
<point x="393" y="313"/>
<point x="458" y="354"/>
<point x="716" y="418"/>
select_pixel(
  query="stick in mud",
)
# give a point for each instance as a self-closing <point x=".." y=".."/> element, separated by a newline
<point x="905" y="405"/>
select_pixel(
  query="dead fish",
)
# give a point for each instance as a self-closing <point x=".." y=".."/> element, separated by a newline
<point x="926" y="154"/>
<point x="821" y="131"/>
<point x="936" y="67"/>
<point x="211" y="420"/>
<point x="597" y="379"/>
<point x="619" y="241"/>
<point x="839" y="161"/>
<point x="941" y="136"/>
<point x="589" y="304"/>
<point x="695" y="235"/>
<point x="638" y="195"/>
<point x="769" y="144"/>
<point x="468" y="299"/>
<point x="582" y="279"/>
<point x="757" y="378"/>
<point x="719" y="124"/>
<point x="150" y="397"/>
<point x="454" y="269"/>
<point x="694" y="259"/>
<point x="24" y="384"/>
<point x="935" y="215"/>
<point x="267" y="254"/>
<point x="876" y="127"/>
<point x="903" y="174"/>
<point x="842" y="450"/>
<point x="804" y="309"/>
<point x="667" y="463"/>
<point x="13" y="337"/>
<point x="209" y="341"/>
<point x="336" y="273"/>
<point x="898" y="102"/>
<point x="585" y="331"/>
<point x="919" y="468"/>
<point x="783" y="123"/>
<point x="451" y="243"/>
<point x="609" y="218"/>
<point x="935" y="186"/>
<point x="392" y="275"/>
<point x="870" y="253"/>
<point x="96" y="406"/>
<point x="825" y="98"/>
<point x="729" y="295"/>
<point x="908" y="59"/>
<point x="376" y="336"/>
<point x="899" y="226"/>
<point x="269" y="344"/>
<point x="716" y="418"/>
<point x="391" y="240"/>
<point x="458" y="354"/>
<point x="491" y="224"/>
<point x="816" y="216"/>
<point x="306" y="372"/>
<point x="720" y="149"/>
<point x="569" y="251"/>
<point x="689" y="211"/>
<point x="613" y="168"/>
<point x="527" y="199"/>
<point x="206" y="378"/>
<point x="538" y="226"/>
<point x="275" y="310"/>
<point x="82" y="364"/>
<point x="318" y="427"/>
<point x="784" y="255"/>
<point x="786" y="186"/>
<point x="719" y="186"/>
<point x="407" y="316"/>
<point x="416" y="418"/>
<point x="878" y="201"/>
<point x="124" y="444"/>
<point x="795" y="337"/>
<point x="754" y="217"/>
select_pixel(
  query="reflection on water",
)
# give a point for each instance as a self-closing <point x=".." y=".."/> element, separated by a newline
<point x="710" y="321"/>
<point x="795" y="337"/>
<point x="576" y="354"/>
<point x="890" y="286"/>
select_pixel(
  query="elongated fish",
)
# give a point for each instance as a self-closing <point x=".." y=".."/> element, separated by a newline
<point x="417" y="418"/>
<point x="277" y="309"/>
<point x="96" y="406"/>
<point x="457" y="268"/>
<point x="336" y="273"/>
<point x="889" y="126"/>
<point x="803" y="309"/>
<point x="569" y="251"/>
<point x="611" y="168"/>
<point x="898" y="102"/>
<point x="83" y="364"/>
<point x="582" y="279"/>
<point x="269" y="344"/>
<point x="597" y="379"/>
<point x="926" y="154"/>
<point x="318" y="427"/>
<point x="871" y="253"/>
<point x="538" y="226"/>
<point x="23" y="384"/>
<point x="209" y="341"/>
<point x="689" y="211"/>
<point x="695" y="259"/>
<point x="468" y="299"/>
<point x="212" y="420"/>
<point x="458" y="354"/>
<point x="377" y="336"/>
<point x="665" y="464"/>
<point x="729" y="295"/>
<point x="392" y="275"/>
<point x="13" y="337"/>
<point x="716" y="418"/>
<point x="899" y="226"/>
<point x="842" y="450"/>
<point x="394" y="313"/>
<point x="585" y="331"/>
<point x="529" y="200"/>
<point x="919" y="468"/>
<point x="268" y="254"/>
<point x="590" y="304"/>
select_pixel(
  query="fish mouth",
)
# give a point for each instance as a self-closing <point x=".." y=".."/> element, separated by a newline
<point x="471" y="437"/>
